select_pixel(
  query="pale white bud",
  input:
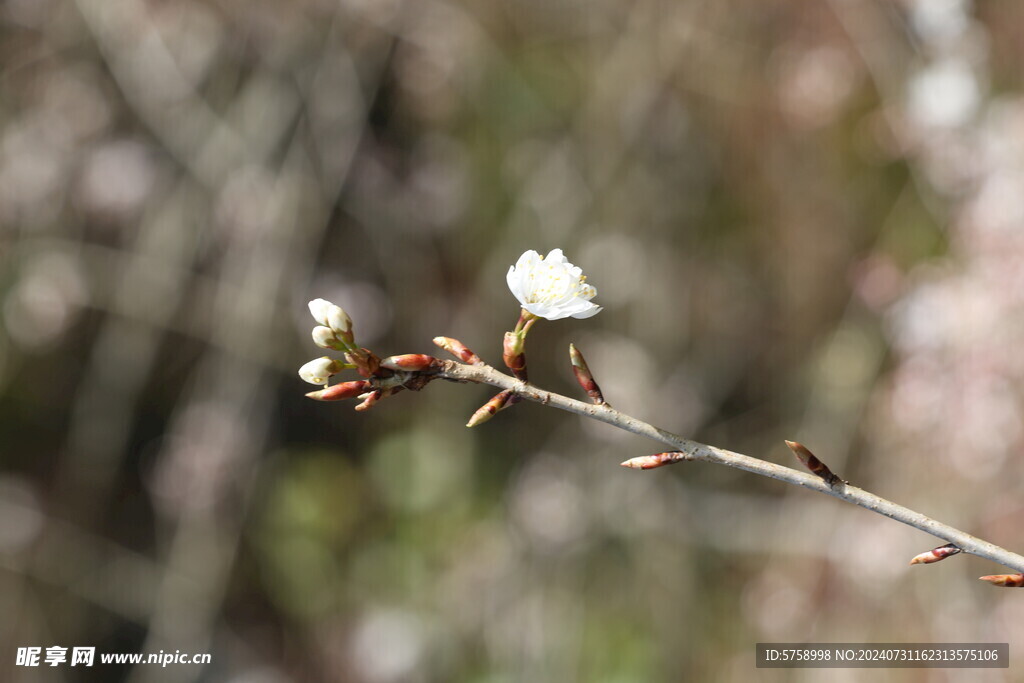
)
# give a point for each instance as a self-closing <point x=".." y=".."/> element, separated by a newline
<point x="338" y="320"/>
<point x="334" y="317"/>
<point x="319" y="370"/>
<point x="320" y="308"/>
<point x="324" y="338"/>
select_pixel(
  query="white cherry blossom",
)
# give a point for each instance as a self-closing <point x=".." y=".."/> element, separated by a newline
<point x="550" y="287"/>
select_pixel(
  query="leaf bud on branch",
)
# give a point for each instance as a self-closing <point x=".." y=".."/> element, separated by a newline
<point x="811" y="462"/>
<point x="489" y="409"/>
<point x="583" y="375"/>
<point x="458" y="349"/>
<point x="1005" y="580"/>
<point x="936" y="555"/>
<point x="650" y="462"/>
<point x="339" y="392"/>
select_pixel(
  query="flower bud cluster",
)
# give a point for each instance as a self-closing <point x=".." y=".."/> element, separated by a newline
<point x="547" y="287"/>
<point x="383" y="378"/>
<point x="335" y="328"/>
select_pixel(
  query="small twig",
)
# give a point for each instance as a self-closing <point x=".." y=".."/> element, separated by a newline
<point x="485" y="374"/>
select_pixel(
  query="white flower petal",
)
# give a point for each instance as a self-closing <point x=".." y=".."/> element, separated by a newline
<point x="515" y="285"/>
<point x="528" y="260"/>
<point x="594" y="310"/>
<point x="544" y="311"/>
<point x="555" y="256"/>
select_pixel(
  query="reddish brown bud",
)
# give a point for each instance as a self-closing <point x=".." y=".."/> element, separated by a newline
<point x="369" y="401"/>
<point x="583" y="376"/>
<point x="649" y="462"/>
<point x="458" y="349"/>
<point x="341" y="391"/>
<point x="940" y="553"/>
<point x="367" y="363"/>
<point x="812" y="463"/>
<point x="1005" y="580"/>
<point x="413" y="362"/>
<point x="489" y="409"/>
<point x="512" y="354"/>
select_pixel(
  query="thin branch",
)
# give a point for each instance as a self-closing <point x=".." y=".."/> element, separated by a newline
<point x="694" y="451"/>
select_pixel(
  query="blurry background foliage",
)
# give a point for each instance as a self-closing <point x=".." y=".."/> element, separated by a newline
<point x="805" y="220"/>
